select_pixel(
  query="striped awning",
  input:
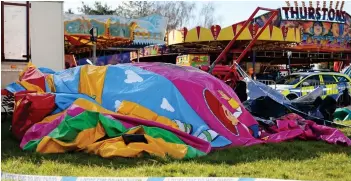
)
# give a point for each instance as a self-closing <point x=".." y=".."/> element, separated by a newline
<point x="148" y="42"/>
<point x="82" y="43"/>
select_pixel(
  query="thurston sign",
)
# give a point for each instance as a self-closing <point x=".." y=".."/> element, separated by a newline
<point x="313" y="14"/>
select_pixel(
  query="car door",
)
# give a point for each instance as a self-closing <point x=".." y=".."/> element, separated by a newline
<point x="331" y="87"/>
<point x="309" y="84"/>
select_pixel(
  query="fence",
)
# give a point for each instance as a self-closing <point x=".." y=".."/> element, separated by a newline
<point x="269" y="83"/>
<point x="310" y="83"/>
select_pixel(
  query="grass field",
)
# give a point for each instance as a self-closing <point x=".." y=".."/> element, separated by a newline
<point x="305" y="160"/>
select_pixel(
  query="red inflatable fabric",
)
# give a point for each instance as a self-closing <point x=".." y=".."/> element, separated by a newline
<point x="5" y="92"/>
<point x="30" y="108"/>
<point x="35" y="77"/>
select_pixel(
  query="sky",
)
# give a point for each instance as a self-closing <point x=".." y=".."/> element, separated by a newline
<point x="228" y="12"/>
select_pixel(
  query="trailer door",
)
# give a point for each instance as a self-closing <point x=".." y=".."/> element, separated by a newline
<point x="15" y="46"/>
<point x="15" y="31"/>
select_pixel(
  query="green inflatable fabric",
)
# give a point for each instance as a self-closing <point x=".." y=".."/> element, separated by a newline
<point x="342" y="114"/>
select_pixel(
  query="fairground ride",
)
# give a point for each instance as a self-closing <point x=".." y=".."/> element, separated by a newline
<point x="322" y="36"/>
<point x="231" y="75"/>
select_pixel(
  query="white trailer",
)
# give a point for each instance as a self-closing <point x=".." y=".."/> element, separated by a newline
<point x="31" y="31"/>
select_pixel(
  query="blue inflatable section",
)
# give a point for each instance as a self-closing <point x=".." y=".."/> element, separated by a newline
<point x="64" y="101"/>
<point x="154" y="92"/>
<point x="14" y="87"/>
<point x="46" y="70"/>
<point x="67" y="80"/>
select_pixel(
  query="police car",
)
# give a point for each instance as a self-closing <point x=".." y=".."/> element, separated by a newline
<point x="347" y="71"/>
<point x="300" y="84"/>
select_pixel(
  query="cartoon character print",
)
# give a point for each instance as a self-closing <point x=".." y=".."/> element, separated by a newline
<point x="335" y="30"/>
<point x="187" y="128"/>
<point x="317" y="29"/>
<point x="208" y="135"/>
<point x="347" y="30"/>
<point x="253" y="130"/>
<point x="233" y="103"/>
<point x="276" y="21"/>
<point x="228" y="119"/>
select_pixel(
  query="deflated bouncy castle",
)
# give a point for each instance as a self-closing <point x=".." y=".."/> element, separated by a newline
<point x="130" y="109"/>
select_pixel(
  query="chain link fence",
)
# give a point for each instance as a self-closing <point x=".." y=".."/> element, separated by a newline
<point x="271" y="83"/>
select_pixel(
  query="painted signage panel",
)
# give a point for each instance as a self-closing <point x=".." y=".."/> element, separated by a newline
<point x="323" y="35"/>
<point x="152" y="27"/>
<point x="313" y="14"/>
<point x="194" y="60"/>
<point x="312" y="32"/>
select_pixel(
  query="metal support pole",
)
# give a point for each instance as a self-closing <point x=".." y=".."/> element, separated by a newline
<point x="94" y="53"/>
<point x="289" y="53"/>
<point x="138" y="56"/>
<point x="253" y="63"/>
<point x="94" y="36"/>
<point x="289" y="68"/>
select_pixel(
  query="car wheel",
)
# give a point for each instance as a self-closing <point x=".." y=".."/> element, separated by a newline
<point x="291" y="96"/>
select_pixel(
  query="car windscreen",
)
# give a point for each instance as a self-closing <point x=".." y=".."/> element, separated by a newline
<point x="290" y="79"/>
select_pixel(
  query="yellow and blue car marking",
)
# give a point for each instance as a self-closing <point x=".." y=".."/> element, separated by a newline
<point x="334" y="90"/>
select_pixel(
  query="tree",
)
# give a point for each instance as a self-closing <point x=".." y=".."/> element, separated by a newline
<point x="178" y="12"/>
<point x="97" y="9"/>
<point x="69" y="11"/>
<point x="136" y="9"/>
<point x="207" y="17"/>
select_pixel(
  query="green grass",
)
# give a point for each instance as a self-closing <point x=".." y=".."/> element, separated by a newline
<point x="304" y="160"/>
